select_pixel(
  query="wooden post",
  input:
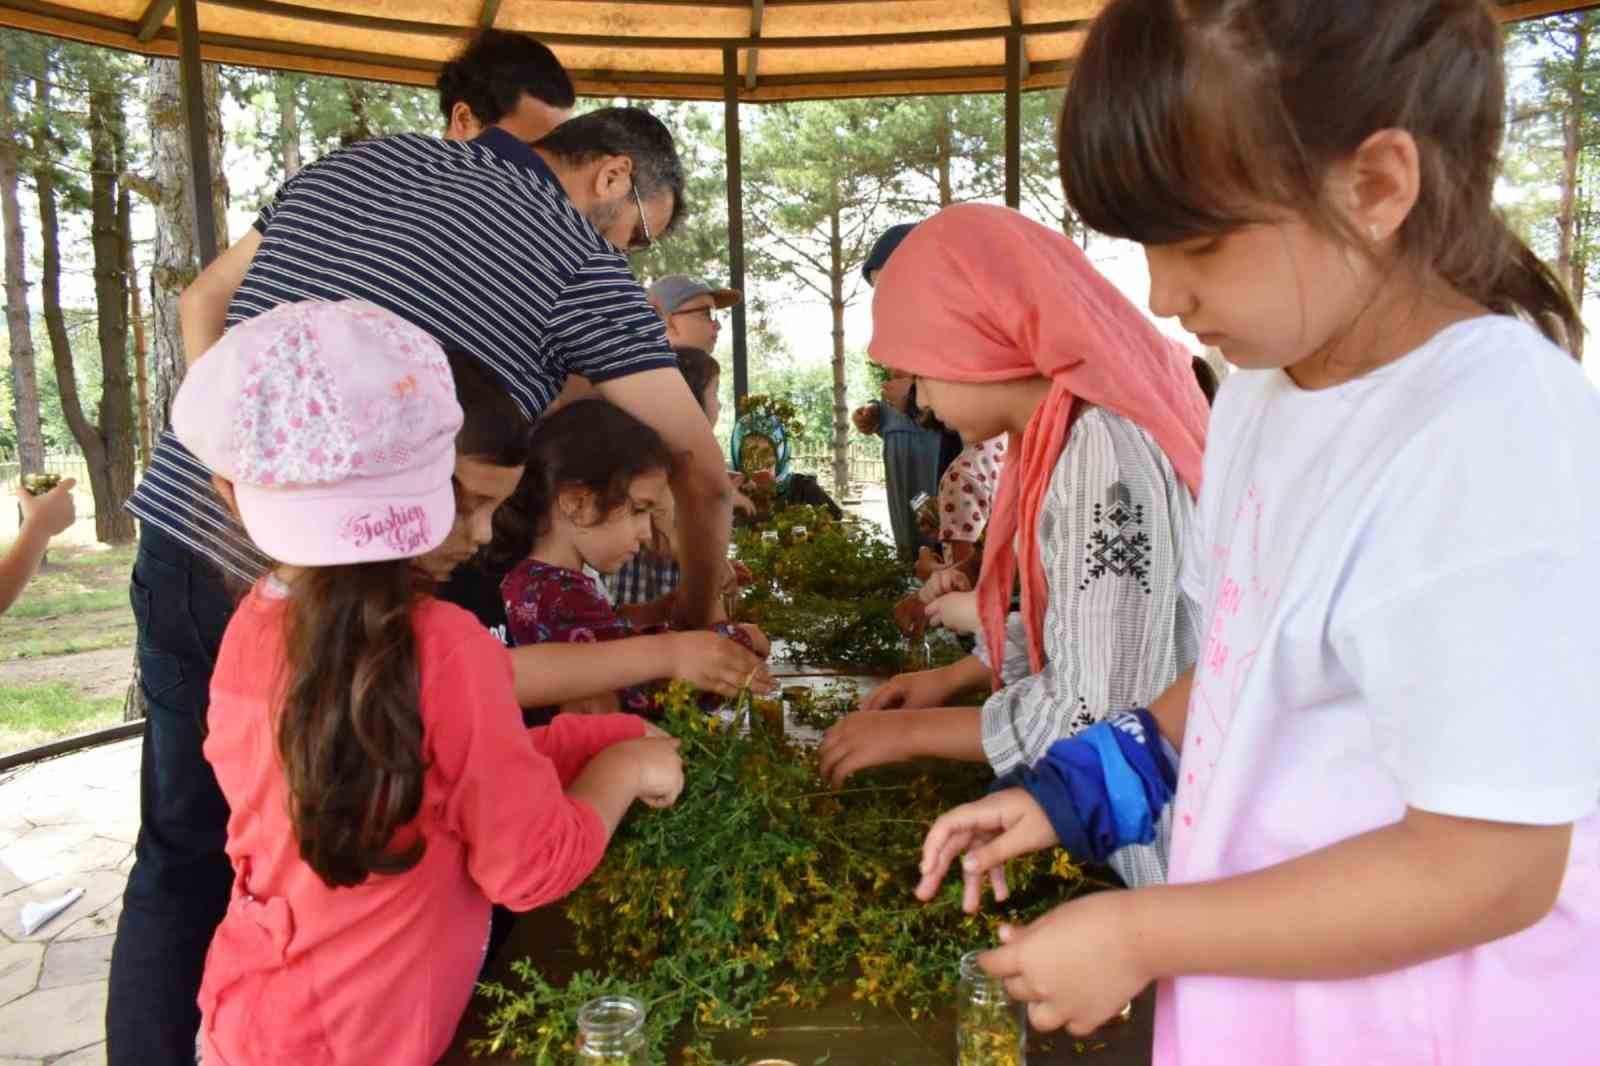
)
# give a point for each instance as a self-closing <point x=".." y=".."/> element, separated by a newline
<point x="1014" y="120"/>
<point x="730" y="112"/>
<point x="194" y="120"/>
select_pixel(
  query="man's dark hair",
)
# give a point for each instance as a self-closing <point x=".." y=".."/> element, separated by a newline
<point x="628" y="131"/>
<point x="495" y="69"/>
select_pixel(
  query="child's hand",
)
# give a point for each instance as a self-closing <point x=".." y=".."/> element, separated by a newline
<point x="862" y="740"/>
<point x="865" y="419"/>
<point x="53" y="512"/>
<point x="713" y="663"/>
<point x="957" y="611"/>
<point x="653" y="731"/>
<point x="911" y="615"/>
<point x="658" y="769"/>
<point x="991" y="831"/>
<point x="924" y="688"/>
<point x="944" y="582"/>
<point x="1077" y="967"/>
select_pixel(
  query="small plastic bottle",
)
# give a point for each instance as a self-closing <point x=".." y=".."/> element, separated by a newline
<point x="989" y="1026"/>
<point x="611" y="1033"/>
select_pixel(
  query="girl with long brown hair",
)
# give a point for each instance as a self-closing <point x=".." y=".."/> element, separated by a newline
<point x="1385" y="845"/>
<point x="383" y="790"/>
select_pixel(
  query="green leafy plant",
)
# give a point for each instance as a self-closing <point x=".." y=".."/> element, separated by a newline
<point x="827" y="587"/>
<point x="764" y="888"/>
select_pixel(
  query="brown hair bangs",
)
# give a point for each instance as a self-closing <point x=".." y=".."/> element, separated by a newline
<point x="1156" y="143"/>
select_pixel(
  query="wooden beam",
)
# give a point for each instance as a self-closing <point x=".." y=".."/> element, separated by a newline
<point x="694" y="44"/>
<point x="1533" y="9"/>
<point x="752" y="59"/>
<point x="155" y="13"/>
<point x="735" y="167"/>
<point x="1016" y="24"/>
<point x="486" y="17"/>
<point x="1014" y="120"/>
<point x="194" y="121"/>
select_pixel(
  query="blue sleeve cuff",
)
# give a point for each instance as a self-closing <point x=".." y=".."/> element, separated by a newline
<point x="1104" y="788"/>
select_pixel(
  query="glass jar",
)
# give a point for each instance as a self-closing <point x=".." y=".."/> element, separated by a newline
<point x="611" y="1033"/>
<point x="990" y="1030"/>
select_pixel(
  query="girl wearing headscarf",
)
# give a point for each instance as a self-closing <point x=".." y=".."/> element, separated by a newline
<point x="760" y="452"/>
<point x="1009" y="329"/>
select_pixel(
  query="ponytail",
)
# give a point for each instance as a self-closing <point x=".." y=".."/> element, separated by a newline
<point x="1528" y="287"/>
<point x="350" y="731"/>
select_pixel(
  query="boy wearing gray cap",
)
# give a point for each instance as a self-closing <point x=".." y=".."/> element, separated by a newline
<point x="692" y="310"/>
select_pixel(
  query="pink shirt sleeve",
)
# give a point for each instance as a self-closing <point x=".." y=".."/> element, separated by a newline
<point x="571" y="740"/>
<point x="526" y="842"/>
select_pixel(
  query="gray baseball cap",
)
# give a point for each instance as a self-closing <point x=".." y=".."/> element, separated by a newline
<point x="675" y="290"/>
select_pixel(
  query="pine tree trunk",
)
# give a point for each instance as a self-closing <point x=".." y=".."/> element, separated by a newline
<point x="19" y="327"/>
<point x="841" y="424"/>
<point x="115" y="426"/>
<point x="1571" y="149"/>
<point x="175" y="260"/>
<point x="284" y="86"/>
<point x="141" y="382"/>
<point x="944" y="150"/>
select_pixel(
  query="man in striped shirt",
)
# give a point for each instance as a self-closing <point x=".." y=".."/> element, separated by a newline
<point x="514" y="254"/>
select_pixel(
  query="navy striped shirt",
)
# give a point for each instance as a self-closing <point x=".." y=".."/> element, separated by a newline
<point x="476" y="243"/>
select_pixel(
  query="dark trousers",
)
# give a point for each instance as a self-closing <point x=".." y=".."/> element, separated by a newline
<point x="178" y="888"/>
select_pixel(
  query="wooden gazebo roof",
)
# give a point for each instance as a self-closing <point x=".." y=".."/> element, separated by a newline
<point x="672" y="49"/>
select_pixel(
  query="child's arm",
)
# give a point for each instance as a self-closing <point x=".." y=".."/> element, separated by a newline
<point x="1427" y="886"/>
<point x="42" y="518"/>
<point x="548" y="674"/>
<point x="571" y="740"/>
<point x="529" y="840"/>
<point x="1092" y="794"/>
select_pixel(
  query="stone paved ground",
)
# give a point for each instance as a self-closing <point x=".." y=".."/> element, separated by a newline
<point x="66" y="823"/>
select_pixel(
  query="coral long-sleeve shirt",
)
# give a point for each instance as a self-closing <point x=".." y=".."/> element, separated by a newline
<point x="382" y="972"/>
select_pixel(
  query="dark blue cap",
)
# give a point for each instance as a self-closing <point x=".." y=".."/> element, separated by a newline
<point x="884" y="247"/>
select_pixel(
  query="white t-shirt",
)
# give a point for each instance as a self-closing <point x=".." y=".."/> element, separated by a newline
<point x="1399" y="582"/>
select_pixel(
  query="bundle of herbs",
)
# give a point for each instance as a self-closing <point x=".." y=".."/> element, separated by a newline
<point x="763" y="888"/>
<point x="827" y="588"/>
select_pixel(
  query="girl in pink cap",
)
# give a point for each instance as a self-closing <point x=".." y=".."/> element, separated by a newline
<point x="1009" y="329"/>
<point x="1386" y="844"/>
<point x="363" y="732"/>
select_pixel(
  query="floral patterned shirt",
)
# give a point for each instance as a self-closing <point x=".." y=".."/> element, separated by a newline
<point x="554" y="604"/>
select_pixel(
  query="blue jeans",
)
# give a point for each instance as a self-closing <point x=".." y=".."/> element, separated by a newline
<point x="181" y="878"/>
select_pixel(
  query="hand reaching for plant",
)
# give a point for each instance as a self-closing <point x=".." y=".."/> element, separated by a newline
<point x="986" y="833"/>
<point x="944" y="582"/>
<point x="1078" y="966"/>
<point x="861" y="741"/>
<point x="658" y="770"/>
<point x="713" y="663"/>
<point x="911" y="615"/>
<point x="923" y="688"/>
<point x="956" y="611"/>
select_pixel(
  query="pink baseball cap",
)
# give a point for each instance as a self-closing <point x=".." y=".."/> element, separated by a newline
<point x="336" y="423"/>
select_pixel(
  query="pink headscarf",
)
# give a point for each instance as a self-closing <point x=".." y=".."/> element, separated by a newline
<point x="981" y="294"/>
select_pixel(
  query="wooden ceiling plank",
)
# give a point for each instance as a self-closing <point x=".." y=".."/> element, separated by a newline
<point x="155" y="13"/>
<point x="752" y="62"/>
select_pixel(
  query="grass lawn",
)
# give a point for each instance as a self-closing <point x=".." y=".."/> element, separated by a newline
<point x="31" y="715"/>
<point x="79" y="602"/>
